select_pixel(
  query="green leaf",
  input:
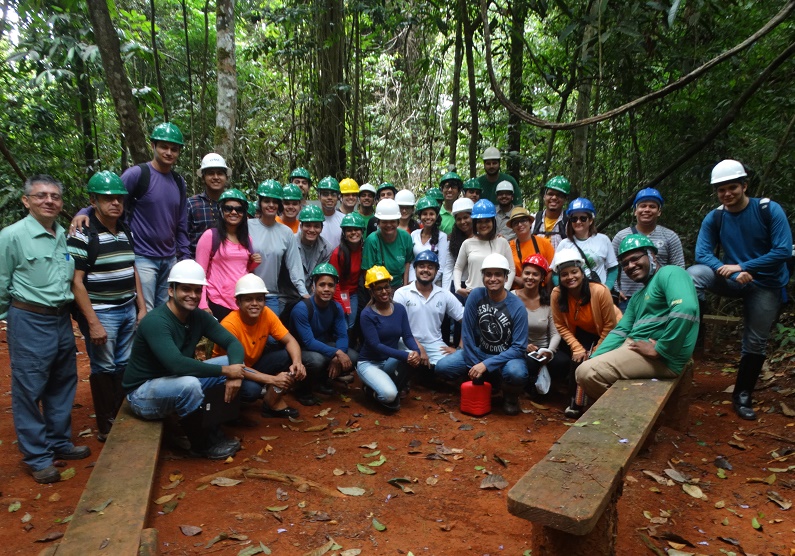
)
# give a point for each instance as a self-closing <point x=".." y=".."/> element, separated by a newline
<point x="68" y="474"/>
<point x="351" y="491"/>
<point x="277" y="508"/>
<point x="379" y="462"/>
<point x="756" y="525"/>
<point x="364" y="469"/>
<point x="372" y="454"/>
<point x="378" y="526"/>
<point x="721" y="474"/>
<point x="14" y="506"/>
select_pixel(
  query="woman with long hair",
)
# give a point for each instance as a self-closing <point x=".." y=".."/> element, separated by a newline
<point x="406" y="200"/>
<point x="225" y="254"/>
<point x="347" y="259"/>
<point x="429" y="237"/>
<point x="584" y="314"/>
<point x="595" y="249"/>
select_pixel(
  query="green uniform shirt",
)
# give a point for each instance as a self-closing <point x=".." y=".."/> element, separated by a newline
<point x="35" y="266"/>
<point x="448" y="221"/>
<point x="165" y="346"/>
<point x="367" y="218"/>
<point x="489" y="188"/>
<point x="393" y="256"/>
<point x="666" y="310"/>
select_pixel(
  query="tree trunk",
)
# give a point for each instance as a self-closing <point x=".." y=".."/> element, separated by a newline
<point x="205" y="76"/>
<point x="356" y="151"/>
<point x="156" y="55"/>
<point x="515" y="88"/>
<point x="474" y="127"/>
<point x="190" y="89"/>
<point x="84" y="115"/>
<point x="459" y="55"/>
<point x="119" y="85"/>
<point x="227" y="79"/>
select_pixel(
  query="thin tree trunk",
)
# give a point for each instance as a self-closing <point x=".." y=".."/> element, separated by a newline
<point x="156" y="55"/>
<point x="119" y="85"/>
<point x="779" y="151"/>
<point x="515" y="88"/>
<point x="205" y="77"/>
<point x="10" y="159"/>
<point x="579" y="142"/>
<point x="190" y="89"/>
<point x="474" y="128"/>
<point x="84" y="115"/>
<point x="458" y="60"/>
<point x="227" y="79"/>
<point x="357" y="56"/>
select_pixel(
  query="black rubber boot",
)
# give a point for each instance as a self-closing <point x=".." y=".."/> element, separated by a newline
<point x="207" y="442"/>
<point x="747" y="375"/>
<point x="510" y="399"/>
<point x="103" y="394"/>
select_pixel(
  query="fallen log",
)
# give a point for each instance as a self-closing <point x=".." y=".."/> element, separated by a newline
<point x="245" y="472"/>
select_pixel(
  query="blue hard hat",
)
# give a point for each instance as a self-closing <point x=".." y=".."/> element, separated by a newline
<point x="426" y="257"/>
<point x="648" y="194"/>
<point x="580" y="204"/>
<point x="484" y="209"/>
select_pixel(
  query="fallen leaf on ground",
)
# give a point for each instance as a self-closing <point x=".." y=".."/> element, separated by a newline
<point x="51" y="536"/>
<point x="351" y="552"/>
<point x="694" y="491"/>
<point x="374" y="445"/>
<point x="14" y="506"/>
<point x="169" y="507"/>
<point x="431" y="481"/>
<point x="323" y="412"/>
<point x="68" y="474"/>
<point x="54" y="497"/>
<point x="218" y="538"/>
<point x="447" y="526"/>
<point x="266" y="438"/>
<point x="738" y="445"/>
<point x="364" y="469"/>
<point x="276" y="508"/>
<point x="774" y="496"/>
<point x="317" y="428"/>
<point x="351" y="491"/>
<point x="786" y="410"/>
<point x="225" y="482"/>
<point x="659" y="478"/>
<point x="190" y="530"/>
<point x="538" y="405"/>
<point x="378" y="463"/>
<point x="378" y="526"/>
<point x="676" y="475"/>
<point x="164" y="499"/>
<point x="102" y="506"/>
<point x="338" y="472"/>
<point x="493" y="481"/>
<point x="756" y="525"/>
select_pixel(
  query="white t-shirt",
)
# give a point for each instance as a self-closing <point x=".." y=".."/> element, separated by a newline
<point x="332" y="231"/>
<point x="598" y="251"/>
<point x="442" y="251"/>
<point x="426" y="315"/>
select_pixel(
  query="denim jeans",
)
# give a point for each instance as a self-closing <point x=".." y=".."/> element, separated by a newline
<point x="384" y="377"/>
<point x="43" y="371"/>
<point x="760" y="305"/>
<point x="453" y="367"/>
<point x="317" y="364"/>
<point x="113" y="355"/>
<point x="250" y="391"/>
<point x="153" y="274"/>
<point x="351" y="318"/>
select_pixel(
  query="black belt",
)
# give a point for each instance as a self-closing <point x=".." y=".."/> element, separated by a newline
<point x="41" y="309"/>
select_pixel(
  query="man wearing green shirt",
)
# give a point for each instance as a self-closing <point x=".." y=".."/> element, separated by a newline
<point x="488" y="181"/>
<point x="36" y="273"/>
<point x="657" y="334"/>
<point x="389" y="246"/>
<point x="450" y="184"/>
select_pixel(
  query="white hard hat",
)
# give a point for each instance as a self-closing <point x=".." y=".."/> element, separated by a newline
<point x="387" y="209"/>
<point x="404" y="197"/>
<point x="566" y="257"/>
<point x="495" y="260"/>
<point x="464" y="204"/>
<point x="367" y="187"/>
<point x="492" y="153"/>
<point x="504" y="185"/>
<point x="250" y="283"/>
<point x="727" y="170"/>
<point x="187" y="272"/>
<point x="213" y="160"/>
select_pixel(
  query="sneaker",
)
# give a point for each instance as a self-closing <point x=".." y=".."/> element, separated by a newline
<point x="307" y="399"/>
<point x="347" y="379"/>
<point x="283" y="413"/>
<point x="510" y="405"/>
<point x="325" y="388"/>
<point x="76" y="452"/>
<point x="47" y="475"/>
<point x="573" y="411"/>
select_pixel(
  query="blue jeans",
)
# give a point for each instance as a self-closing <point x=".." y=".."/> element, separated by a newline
<point x="354" y="299"/>
<point x="113" y="355"/>
<point x="317" y="364"/>
<point x="43" y="370"/>
<point x="153" y="274"/>
<point x="760" y="305"/>
<point x="453" y="367"/>
<point x="250" y="391"/>
<point x="384" y="377"/>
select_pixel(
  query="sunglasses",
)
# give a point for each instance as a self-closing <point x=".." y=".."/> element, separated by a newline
<point x="580" y="218"/>
<point x="631" y="260"/>
<point x="228" y="209"/>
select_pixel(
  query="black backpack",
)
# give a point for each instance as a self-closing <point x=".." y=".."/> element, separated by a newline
<point x="288" y="310"/>
<point x="142" y="187"/>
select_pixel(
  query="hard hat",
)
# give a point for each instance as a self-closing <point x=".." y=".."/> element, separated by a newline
<point x="492" y="153"/>
<point x="581" y="204"/>
<point x="250" y="283"/>
<point x="451" y="177"/>
<point x="106" y="183"/>
<point x="559" y="183"/>
<point x="212" y="160"/>
<point x="386" y="185"/>
<point x="329" y="183"/>
<point x="518" y="213"/>
<point x="325" y="269"/>
<point x="348" y="186"/>
<point x="537" y="259"/>
<point x="367" y="187"/>
<point x="504" y="185"/>
<point x="300" y="173"/>
<point x="473" y="183"/>
<point x="427" y="203"/>
<point x="167" y="132"/>
<point x="635" y="241"/>
<point x="387" y="209"/>
<point x="187" y="272"/>
<point x="565" y="258"/>
<point x="291" y="192"/>
<point x="648" y="194"/>
<point x="462" y="205"/>
<point x="235" y="194"/>
<point x="483" y="209"/>
<point x="311" y="213"/>
<point x="728" y="170"/>
<point x="426" y="257"/>
<point x="376" y="274"/>
<point x="495" y="260"/>
<point x="435" y="193"/>
<point x="270" y="188"/>
<point x="353" y="220"/>
<point x="404" y="197"/>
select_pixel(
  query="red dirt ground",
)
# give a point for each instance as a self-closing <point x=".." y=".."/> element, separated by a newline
<point x="447" y="513"/>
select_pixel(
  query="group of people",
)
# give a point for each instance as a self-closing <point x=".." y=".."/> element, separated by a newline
<point x="462" y="283"/>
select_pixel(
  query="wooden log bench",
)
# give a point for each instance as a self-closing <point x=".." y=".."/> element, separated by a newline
<point x="122" y="474"/>
<point x="571" y="495"/>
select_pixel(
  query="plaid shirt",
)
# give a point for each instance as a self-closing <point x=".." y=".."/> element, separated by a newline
<point x="203" y="214"/>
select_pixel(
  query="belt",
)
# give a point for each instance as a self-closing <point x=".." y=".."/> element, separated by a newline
<point x="42" y="310"/>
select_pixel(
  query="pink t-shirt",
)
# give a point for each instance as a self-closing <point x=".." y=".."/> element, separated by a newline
<point x="228" y="265"/>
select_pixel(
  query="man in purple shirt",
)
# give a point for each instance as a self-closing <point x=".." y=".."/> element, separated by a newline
<point x="156" y="214"/>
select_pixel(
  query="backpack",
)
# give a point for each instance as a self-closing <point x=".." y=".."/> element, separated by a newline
<point x="286" y="313"/>
<point x="142" y="187"/>
<point x="92" y="249"/>
<point x="538" y="226"/>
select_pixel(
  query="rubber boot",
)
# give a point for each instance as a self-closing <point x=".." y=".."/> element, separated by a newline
<point x="747" y="375"/>
<point x="205" y="442"/>
<point x="103" y="394"/>
<point x="702" y="310"/>
<point x="510" y="399"/>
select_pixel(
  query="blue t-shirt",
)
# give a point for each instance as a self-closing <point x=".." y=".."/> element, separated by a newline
<point x="382" y="334"/>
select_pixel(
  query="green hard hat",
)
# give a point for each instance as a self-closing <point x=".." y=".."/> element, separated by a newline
<point x="635" y="241"/>
<point x="252" y="209"/>
<point x="386" y="185"/>
<point x="559" y="183"/>
<point x="427" y="203"/>
<point x="329" y="183"/>
<point x="167" y="132"/>
<point x="451" y="176"/>
<point x="311" y="213"/>
<point x="325" y="269"/>
<point x="270" y="188"/>
<point x="473" y="183"/>
<point x="291" y="192"/>
<point x="353" y="220"/>
<point x="106" y="183"/>
<point x="435" y="193"/>
<point x="300" y="173"/>
<point x="235" y="194"/>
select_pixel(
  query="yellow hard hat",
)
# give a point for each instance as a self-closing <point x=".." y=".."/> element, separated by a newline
<point x="349" y="185"/>
<point x="376" y="274"/>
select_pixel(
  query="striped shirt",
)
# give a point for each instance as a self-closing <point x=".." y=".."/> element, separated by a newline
<point x="110" y="281"/>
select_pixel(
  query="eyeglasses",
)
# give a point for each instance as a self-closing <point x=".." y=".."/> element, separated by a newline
<point x="233" y="208"/>
<point x="379" y="289"/>
<point x="579" y="219"/>
<point x="554" y="193"/>
<point x="521" y="222"/>
<point x="42" y="196"/>
<point x="631" y="260"/>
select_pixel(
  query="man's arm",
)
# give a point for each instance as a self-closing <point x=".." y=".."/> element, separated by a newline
<point x="294" y="351"/>
<point x="182" y="239"/>
<point x="681" y="328"/>
<point x="519" y="333"/>
<point x="780" y="243"/>
<point x="7" y="266"/>
<point x="97" y="333"/>
<point x="303" y="329"/>
<point x="707" y="240"/>
<point x="295" y="268"/>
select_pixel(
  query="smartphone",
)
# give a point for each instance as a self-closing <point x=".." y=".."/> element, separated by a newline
<point x="536" y="356"/>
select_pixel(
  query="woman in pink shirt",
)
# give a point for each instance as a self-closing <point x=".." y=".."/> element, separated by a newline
<point x="224" y="252"/>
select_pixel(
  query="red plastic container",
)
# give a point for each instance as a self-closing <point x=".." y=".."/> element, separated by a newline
<point x="475" y="398"/>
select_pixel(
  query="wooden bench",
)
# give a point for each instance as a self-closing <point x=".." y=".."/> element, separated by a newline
<point x="571" y="495"/>
<point x="123" y="474"/>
